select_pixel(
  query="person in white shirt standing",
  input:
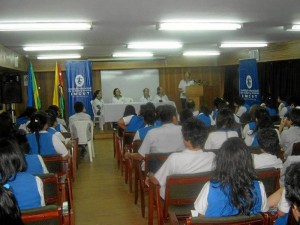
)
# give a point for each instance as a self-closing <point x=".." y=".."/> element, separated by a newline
<point x="97" y="102"/>
<point x="182" y="88"/>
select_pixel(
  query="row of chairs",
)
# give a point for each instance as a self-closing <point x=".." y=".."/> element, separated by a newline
<point x="178" y="189"/>
<point x="58" y="194"/>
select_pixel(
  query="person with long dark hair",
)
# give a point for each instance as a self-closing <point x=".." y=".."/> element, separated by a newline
<point x="233" y="188"/>
<point x="97" y="102"/>
<point x="40" y="140"/>
<point x="225" y="129"/>
<point x="117" y="98"/>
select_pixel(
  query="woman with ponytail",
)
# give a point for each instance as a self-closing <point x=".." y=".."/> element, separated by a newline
<point x="40" y="140"/>
<point x="233" y="188"/>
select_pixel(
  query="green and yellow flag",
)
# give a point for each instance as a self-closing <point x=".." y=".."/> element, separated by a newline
<point x="33" y="97"/>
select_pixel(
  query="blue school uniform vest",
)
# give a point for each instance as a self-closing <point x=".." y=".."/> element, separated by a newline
<point x="219" y="201"/>
<point x="204" y="118"/>
<point x="135" y="123"/>
<point x="22" y="120"/>
<point x="247" y="107"/>
<point x="271" y="111"/>
<point x="255" y="141"/>
<point x="26" y="191"/>
<point x="34" y="165"/>
<point x="143" y="131"/>
<point x="51" y="131"/>
<point x="252" y="125"/>
<point x="158" y="123"/>
<point x="46" y="145"/>
<point x="57" y="128"/>
<point x="214" y="114"/>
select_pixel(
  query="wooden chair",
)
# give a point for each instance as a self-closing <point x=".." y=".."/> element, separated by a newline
<point x="257" y="219"/>
<point x="296" y="149"/>
<point x="51" y="213"/>
<point x="118" y="147"/>
<point x="154" y="161"/>
<point x="126" y="146"/>
<point x="270" y="178"/>
<point x="129" y="162"/>
<point x="47" y="215"/>
<point x="180" y="195"/>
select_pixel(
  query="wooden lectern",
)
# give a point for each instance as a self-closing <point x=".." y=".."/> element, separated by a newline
<point x="194" y="92"/>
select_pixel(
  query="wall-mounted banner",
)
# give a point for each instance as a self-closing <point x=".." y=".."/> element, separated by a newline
<point x="79" y="79"/>
<point x="249" y="89"/>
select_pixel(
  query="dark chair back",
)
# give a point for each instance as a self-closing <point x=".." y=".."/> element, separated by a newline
<point x="51" y="190"/>
<point x="56" y="164"/>
<point x="270" y="178"/>
<point x="296" y="149"/>
<point x="47" y="215"/>
<point x="154" y="161"/>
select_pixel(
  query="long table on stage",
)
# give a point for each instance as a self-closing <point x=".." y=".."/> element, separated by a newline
<point x="113" y="112"/>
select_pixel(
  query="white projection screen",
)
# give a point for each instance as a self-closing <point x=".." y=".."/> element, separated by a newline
<point x="130" y="82"/>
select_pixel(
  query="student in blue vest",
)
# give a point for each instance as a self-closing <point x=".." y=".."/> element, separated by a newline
<point x="149" y="120"/>
<point x="27" y="188"/>
<point x="24" y="119"/>
<point x="132" y="122"/>
<point x="53" y="124"/>
<point x="61" y="123"/>
<point x="231" y="193"/>
<point x="205" y="117"/>
<point x="263" y="120"/>
<point x="35" y="163"/>
<point x="241" y="107"/>
<point x="40" y="140"/>
<point x="9" y="209"/>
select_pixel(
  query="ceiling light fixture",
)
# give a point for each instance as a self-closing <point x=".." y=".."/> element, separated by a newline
<point x="52" y="47"/>
<point x="64" y="56"/>
<point x="201" y="53"/>
<point x="44" y="26"/>
<point x="154" y="45"/>
<point x="295" y="27"/>
<point x="198" y="26"/>
<point x="243" y="44"/>
<point x="132" y="54"/>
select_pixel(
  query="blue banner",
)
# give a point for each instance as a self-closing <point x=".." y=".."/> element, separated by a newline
<point x="79" y="79"/>
<point x="249" y="89"/>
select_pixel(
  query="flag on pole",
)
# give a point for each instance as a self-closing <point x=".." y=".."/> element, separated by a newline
<point x="33" y="98"/>
<point x="58" y="92"/>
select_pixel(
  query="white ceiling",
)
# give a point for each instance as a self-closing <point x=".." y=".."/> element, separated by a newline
<point x="117" y="22"/>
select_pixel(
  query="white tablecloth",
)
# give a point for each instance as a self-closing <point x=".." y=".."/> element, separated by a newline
<point x="113" y="112"/>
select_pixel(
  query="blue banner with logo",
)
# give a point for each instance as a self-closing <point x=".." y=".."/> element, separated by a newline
<point x="79" y="79"/>
<point x="249" y="89"/>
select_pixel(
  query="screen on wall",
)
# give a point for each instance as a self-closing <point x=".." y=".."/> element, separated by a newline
<point x="130" y="82"/>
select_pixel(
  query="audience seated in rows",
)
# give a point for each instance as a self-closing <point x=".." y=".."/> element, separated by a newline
<point x="205" y="116"/>
<point x="61" y="123"/>
<point x="24" y="119"/>
<point x="192" y="159"/>
<point x="130" y="121"/>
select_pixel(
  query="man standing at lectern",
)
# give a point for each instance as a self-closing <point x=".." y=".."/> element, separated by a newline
<point x="182" y="88"/>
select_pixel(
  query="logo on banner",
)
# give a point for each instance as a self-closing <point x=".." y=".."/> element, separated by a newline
<point x="79" y="80"/>
<point x="249" y="81"/>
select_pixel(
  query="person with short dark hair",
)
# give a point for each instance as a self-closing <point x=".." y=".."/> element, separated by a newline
<point x="240" y="105"/>
<point x="117" y="98"/>
<point x="80" y="114"/>
<point x="185" y="82"/>
<point x="149" y="120"/>
<point x="24" y="119"/>
<point x="61" y="123"/>
<point x="292" y="134"/>
<point x="184" y="115"/>
<point x="225" y="125"/>
<point x="146" y="96"/>
<point x="234" y="188"/>
<point x="192" y="159"/>
<point x="205" y="117"/>
<point x="131" y="122"/>
<point x="269" y="145"/>
<point x="160" y="95"/>
<point x="163" y="139"/>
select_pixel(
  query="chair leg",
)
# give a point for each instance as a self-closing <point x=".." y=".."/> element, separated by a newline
<point x="90" y="151"/>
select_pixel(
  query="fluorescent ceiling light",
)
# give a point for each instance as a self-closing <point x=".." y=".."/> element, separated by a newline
<point x="243" y="44"/>
<point x="201" y="53"/>
<point x="43" y="26"/>
<point x="295" y="27"/>
<point x="133" y="54"/>
<point x="154" y="45"/>
<point x="198" y="26"/>
<point x="65" y="56"/>
<point x="52" y="47"/>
